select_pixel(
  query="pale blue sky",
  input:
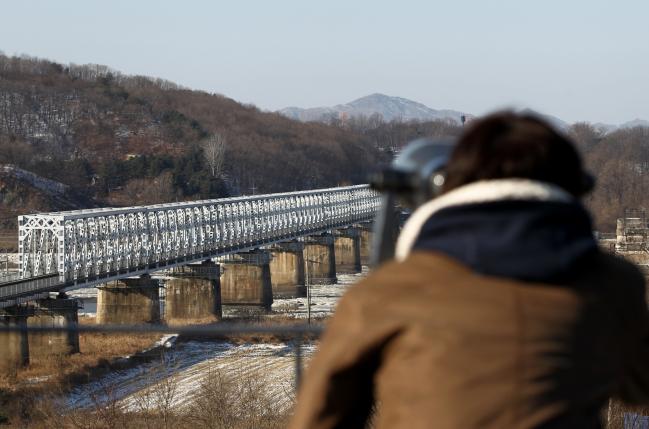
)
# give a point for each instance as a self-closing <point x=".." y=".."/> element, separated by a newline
<point x="576" y="59"/>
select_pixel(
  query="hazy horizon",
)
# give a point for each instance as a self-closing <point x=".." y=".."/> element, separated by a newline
<point x="583" y="61"/>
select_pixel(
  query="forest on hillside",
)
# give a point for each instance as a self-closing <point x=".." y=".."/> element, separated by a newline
<point x="619" y="160"/>
<point x="620" y="163"/>
<point x="124" y="140"/>
<point x="90" y="119"/>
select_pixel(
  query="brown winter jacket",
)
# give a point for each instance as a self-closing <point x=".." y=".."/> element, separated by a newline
<point x="435" y="344"/>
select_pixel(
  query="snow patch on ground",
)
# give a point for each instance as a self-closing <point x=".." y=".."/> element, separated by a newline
<point x="182" y="372"/>
<point x="270" y="365"/>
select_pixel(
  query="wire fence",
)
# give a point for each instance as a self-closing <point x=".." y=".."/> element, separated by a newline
<point x="296" y="335"/>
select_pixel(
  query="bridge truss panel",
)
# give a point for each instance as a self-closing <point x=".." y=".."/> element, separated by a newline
<point x="85" y="246"/>
<point x="40" y="242"/>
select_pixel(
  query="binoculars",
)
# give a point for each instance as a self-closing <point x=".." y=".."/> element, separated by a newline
<point x="414" y="177"/>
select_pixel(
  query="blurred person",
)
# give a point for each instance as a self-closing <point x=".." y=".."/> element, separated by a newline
<point x="499" y="310"/>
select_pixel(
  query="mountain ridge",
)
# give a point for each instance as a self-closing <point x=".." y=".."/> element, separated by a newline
<point x="388" y="107"/>
<point x="391" y="108"/>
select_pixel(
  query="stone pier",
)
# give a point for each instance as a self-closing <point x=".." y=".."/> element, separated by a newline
<point x="245" y="281"/>
<point x="287" y="270"/>
<point x="347" y="246"/>
<point x="129" y="301"/>
<point x="366" y="234"/>
<point x="320" y="259"/>
<point x="60" y="313"/>
<point x="193" y="293"/>
<point x="14" y="346"/>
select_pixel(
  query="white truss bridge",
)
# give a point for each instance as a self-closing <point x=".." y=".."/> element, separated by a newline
<point x="83" y="248"/>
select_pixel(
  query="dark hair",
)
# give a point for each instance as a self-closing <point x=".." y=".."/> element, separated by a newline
<point x="509" y="145"/>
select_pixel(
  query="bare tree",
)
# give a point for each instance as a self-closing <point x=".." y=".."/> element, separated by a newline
<point x="214" y="151"/>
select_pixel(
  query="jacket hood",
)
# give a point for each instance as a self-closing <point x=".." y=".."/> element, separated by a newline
<point x="513" y="228"/>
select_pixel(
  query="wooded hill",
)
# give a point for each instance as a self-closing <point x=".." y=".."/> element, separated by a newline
<point x="620" y="163"/>
<point x="125" y="140"/>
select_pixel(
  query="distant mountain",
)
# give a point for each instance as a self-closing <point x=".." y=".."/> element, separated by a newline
<point x="557" y="123"/>
<point x="398" y="108"/>
<point x="389" y="108"/>
<point x="609" y="128"/>
<point x="635" y="123"/>
<point x="605" y="128"/>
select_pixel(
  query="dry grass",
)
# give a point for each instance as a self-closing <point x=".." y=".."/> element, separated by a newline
<point x="222" y="400"/>
<point x="100" y="353"/>
<point x="188" y="322"/>
<point x="275" y="321"/>
<point x="98" y="350"/>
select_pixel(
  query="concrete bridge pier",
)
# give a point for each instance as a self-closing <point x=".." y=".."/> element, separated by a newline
<point x="14" y="346"/>
<point x="287" y="269"/>
<point x="366" y="234"/>
<point x="320" y="259"/>
<point x="347" y="246"/>
<point x="129" y="301"/>
<point x="194" y="293"/>
<point x="246" y="280"/>
<point x="59" y="312"/>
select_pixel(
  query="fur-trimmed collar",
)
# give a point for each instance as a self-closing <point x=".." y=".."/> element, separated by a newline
<point x="477" y="192"/>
